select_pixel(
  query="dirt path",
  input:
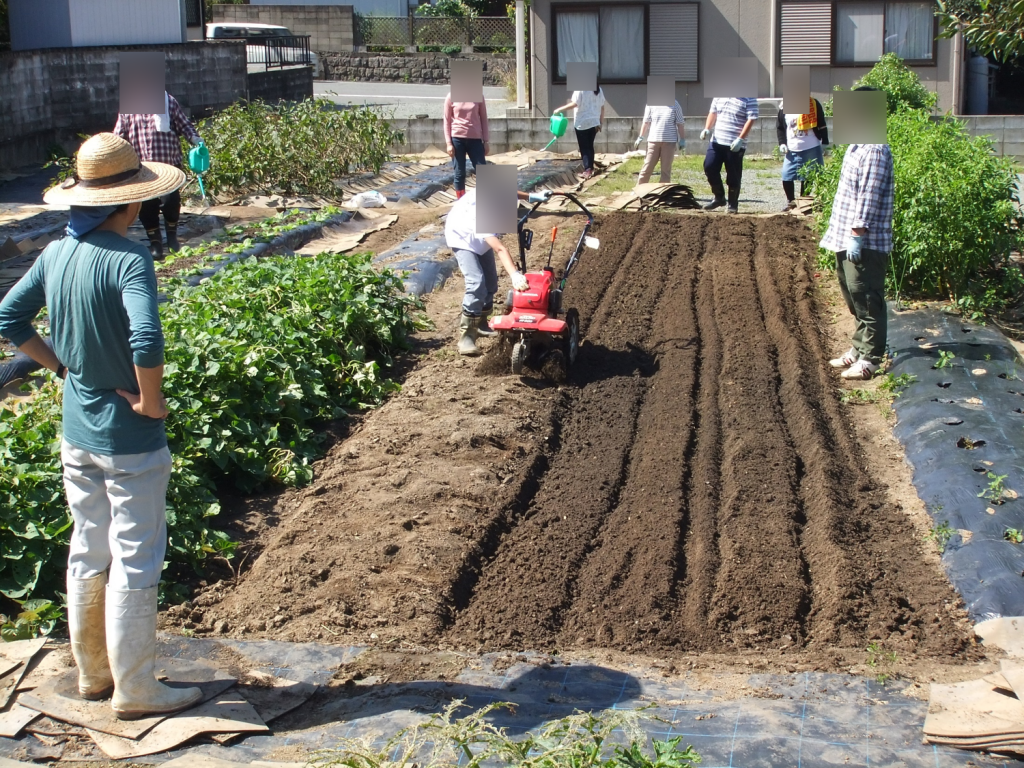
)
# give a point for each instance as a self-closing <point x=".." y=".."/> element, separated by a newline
<point x="696" y="488"/>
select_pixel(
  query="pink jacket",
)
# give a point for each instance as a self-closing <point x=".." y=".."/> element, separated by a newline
<point x="465" y="120"/>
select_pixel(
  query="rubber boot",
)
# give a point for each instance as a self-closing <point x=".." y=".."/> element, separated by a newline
<point x="131" y="635"/>
<point x="734" y="200"/>
<point x="467" y="342"/>
<point x="789" y="188"/>
<point x="483" y="328"/>
<point x="719" y="201"/>
<point x="156" y="244"/>
<point x="172" y="236"/>
<point x="459" y="193"/>
<point x="86" y="600"/>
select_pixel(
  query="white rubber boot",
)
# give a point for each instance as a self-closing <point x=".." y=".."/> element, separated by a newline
<point x="131" y="636"/>
<point x="467" y="342"/>
<point x="86" y="625"/>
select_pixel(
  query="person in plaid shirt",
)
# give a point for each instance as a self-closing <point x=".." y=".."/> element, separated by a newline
<point x="860" y="234"/>
<point x="156" y="138"/>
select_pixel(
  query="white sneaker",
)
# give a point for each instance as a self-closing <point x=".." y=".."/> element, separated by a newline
<point x="862" y="369"/>
<point x="848" y="358"/>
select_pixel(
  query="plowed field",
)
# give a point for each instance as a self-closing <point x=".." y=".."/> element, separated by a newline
<point x="696" y="487"/>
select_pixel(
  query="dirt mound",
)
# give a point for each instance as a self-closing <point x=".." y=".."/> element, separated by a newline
<point x="696" y="487"/>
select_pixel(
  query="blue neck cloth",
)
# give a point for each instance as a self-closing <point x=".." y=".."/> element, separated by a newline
<point x="84" y="219"/>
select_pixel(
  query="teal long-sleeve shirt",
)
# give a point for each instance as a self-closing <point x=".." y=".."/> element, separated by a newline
<point x="102" y="300"/>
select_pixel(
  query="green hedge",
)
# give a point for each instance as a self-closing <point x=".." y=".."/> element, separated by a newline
<point x="256" y="358"/>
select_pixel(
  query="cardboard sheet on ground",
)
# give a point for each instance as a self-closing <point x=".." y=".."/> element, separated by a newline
<point x="227" y="713"/>
<point x="14" y="718"/>
<point x="206" y="761"/>
<point x="1006" y="632"/>
<point x="59" y="698"/>
<point x="6" y="763"/>
<point x="271" y="697"/>
<point x="19" y="653"/>
<point x="972" y="709"/>
<point x="345" y="236"/>
<point x="652" y="196"/>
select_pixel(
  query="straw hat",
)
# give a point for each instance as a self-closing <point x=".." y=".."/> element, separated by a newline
<point x="109" y="173"/>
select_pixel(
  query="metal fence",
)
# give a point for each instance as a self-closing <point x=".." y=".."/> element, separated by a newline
<point x="483" y="32"/>
<point x="278" y="52"/>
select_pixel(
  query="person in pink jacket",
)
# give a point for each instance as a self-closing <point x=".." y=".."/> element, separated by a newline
<point x="465" y="133"/>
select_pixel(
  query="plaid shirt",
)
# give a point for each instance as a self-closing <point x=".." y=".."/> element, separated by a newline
<point x="153" y="145"/>
<point x="863" y="199"/>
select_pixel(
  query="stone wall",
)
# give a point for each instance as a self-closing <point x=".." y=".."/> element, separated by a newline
<point x="329" y="26"/>
<point x="619" y="133"/>
<point x="289" y="84"/>
<point x="49" y="96"/>
<point x="409" y="67"/>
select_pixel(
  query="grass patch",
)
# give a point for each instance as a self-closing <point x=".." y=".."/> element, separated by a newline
<point x="686" y="169"/>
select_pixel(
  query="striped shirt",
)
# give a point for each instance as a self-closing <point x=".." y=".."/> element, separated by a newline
<point x="864" y="199"/>
<point x="663" y="122"/>
<point x="732" y="116"/>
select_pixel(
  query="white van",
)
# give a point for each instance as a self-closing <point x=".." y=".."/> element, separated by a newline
<point x="256" y="52"/>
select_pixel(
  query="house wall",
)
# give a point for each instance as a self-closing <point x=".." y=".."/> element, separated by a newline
<point x="38" y="24"/>
<point x="728" y="28"/>
<point x="50" y="96"/>
<point x="329" y="26"/>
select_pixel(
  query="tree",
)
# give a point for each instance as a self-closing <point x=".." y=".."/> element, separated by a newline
<point x="990" y="27"/>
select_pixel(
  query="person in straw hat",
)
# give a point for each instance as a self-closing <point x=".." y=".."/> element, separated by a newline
<point x="100" y="288"/>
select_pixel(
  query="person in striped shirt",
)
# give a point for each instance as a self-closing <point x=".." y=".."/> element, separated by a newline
<point x="860" y="234"/>
<point x="728" y="125"/>
<point x="663" y="130"/>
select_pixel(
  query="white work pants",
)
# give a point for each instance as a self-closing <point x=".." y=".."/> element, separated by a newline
<point x="118" y="504"/>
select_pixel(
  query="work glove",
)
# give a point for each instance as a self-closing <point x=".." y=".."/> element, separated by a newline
<point x="638" y="142"/>
<point x="783" y="149"/>
<point x="681" y="144"/>
<point x="519" y="281"/>
<point x="739" y="145"/>
<point x="853" y="253"/>
<point x="540" y="197"/>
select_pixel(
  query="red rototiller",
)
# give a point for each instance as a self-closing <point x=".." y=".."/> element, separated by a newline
<point x="533" y="323"/>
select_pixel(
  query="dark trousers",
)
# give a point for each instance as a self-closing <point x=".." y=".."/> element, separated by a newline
<point x="586" y="142"/>
<point x="717" y="156"/>
<point x="170" y="204"/>
<point x="863" y="288"/>
<point x="472" y="147"/>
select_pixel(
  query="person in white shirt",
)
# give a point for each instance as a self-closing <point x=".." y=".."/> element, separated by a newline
<point x="801" y="137"/>
<point x="728" y="125"/>
<point x="587" y="119"/>
<point x="475" y="254"/>
<point x="663" y="130"/>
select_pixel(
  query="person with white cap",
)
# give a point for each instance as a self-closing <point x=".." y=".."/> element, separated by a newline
<point x="108" y="347"/>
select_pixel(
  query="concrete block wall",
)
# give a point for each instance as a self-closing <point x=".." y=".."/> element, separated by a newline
<point x="362" y="66"/>
<point x="49" y="96"/>
<point x="275" y="85"/>
<point x="618" y="134"/>
<point x="330" y="27"/>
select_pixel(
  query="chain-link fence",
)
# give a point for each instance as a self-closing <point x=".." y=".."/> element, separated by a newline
<point x="487" y="33"/>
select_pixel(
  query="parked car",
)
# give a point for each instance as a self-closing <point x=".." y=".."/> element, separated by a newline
<point x="291" y="51"/>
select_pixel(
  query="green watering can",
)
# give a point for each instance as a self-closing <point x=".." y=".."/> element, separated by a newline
<point x="558" y="125"/>
<point x="199" y="163"/>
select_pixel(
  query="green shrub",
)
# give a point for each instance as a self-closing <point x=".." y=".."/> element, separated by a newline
<point x="256" y="357"/>
<point x="955" y="217"/>
<point x="903" y="88"/>
<point x="292" y="148"/>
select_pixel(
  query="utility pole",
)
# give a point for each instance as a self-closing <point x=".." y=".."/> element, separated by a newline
<point x="520" y="54"/>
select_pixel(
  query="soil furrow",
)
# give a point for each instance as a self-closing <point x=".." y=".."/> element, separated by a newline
<point x="626" y="588"/>
<point x="523" y="594"/>
<point x="761" y="592"/>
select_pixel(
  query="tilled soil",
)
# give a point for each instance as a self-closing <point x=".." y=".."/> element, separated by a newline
<point x="697" y="486"/>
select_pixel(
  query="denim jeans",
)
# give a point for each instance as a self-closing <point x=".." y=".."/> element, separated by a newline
<point x="472" y="147"/>
<point x="717" y="156"/>
<point x="585" y="138"/>
<point x="481" y="274"/>
<point x="118" y="504"/>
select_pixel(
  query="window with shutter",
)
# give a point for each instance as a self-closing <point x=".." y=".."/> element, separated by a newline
<point x="806" y="33"/>
<point x="673" y="35"/>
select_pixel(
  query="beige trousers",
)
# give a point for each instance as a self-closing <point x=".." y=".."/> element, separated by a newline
<point x="664" y="151"/>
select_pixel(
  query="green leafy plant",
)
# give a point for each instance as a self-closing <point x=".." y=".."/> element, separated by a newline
<point x="36" y="617"/>
<point x="955" y="222"/>
<point x="945" y="359"/>
<point x="292" y="148"/>
<point x="995" y="490"/>
<point x="581" y="740"/>
<point x="990" y="27"/>
<point x="861" y="396"/>
<point x="882" y="661"/>
<point x="1014" y="535"/>
<point x="902" y="87"/>
<point x="941" y="534"/>
<point x="894" y="385"/>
